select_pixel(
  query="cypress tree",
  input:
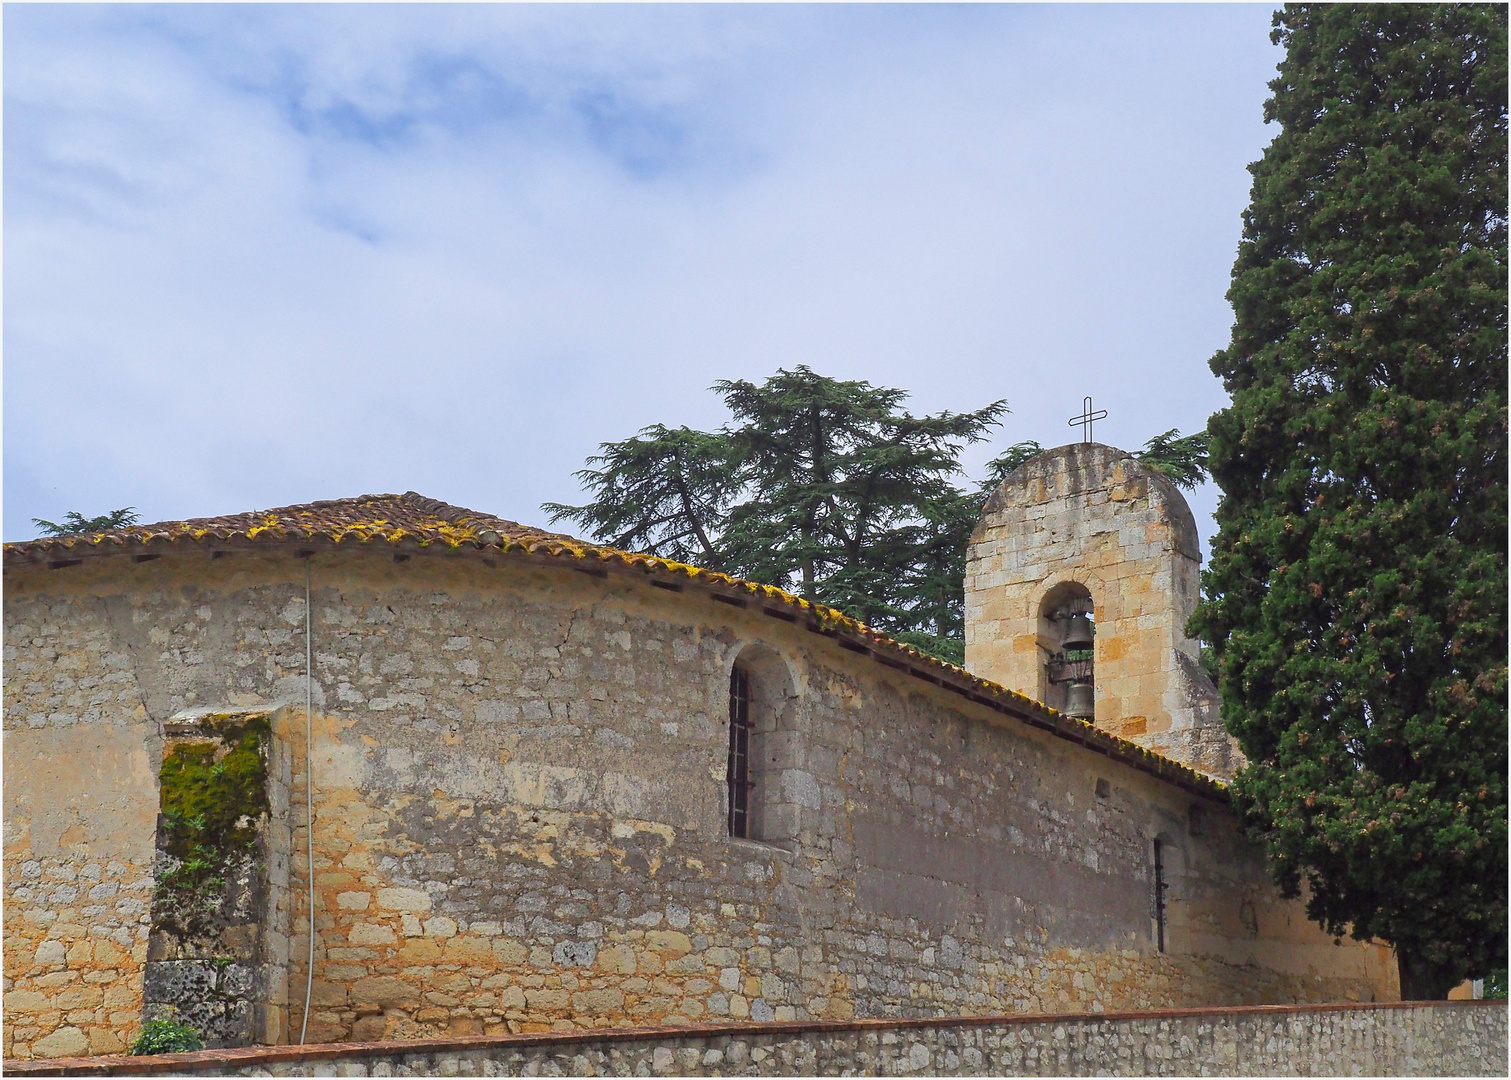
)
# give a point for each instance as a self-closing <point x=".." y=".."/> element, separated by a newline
<point x="1356" y="596"/>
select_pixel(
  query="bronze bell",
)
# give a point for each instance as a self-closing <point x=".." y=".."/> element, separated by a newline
<point x="1079" y="633"/>
<point x="1080" y="700"/>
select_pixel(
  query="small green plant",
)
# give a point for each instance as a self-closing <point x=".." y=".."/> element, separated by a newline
<point x="166" y="1037"/>
<point x="1495" y="984"/>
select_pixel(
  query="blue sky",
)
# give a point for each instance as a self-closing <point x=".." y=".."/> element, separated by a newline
<point x="258" y="255"/>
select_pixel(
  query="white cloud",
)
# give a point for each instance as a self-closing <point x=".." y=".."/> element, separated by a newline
<point x="258" y="255"/>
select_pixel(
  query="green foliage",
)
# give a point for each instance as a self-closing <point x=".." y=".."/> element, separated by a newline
<point x="821" y="485"/>
<point x="75" y="522"/>
<point x="826" y="487"/>
<point x="210" y="811"/>
<point x="949" y="649"/>
<point x="1495" y="984"/>
<point x="1356" y="595"/>
<point x="842" y="487"/>
<point x="1004" y="463"/>
<point x="665" y="492"/>
<point x="1182" y="459"/>
<point x="166" y="1037"/>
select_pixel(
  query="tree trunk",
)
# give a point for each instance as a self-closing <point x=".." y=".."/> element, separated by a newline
<point x="1422" y="980"/>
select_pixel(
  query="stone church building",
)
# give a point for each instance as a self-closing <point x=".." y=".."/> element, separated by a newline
<point x="435" y="772"/>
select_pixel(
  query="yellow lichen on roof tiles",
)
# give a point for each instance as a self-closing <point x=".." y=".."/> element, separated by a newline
<point x="380" y="528"/>
<point x="269" y="524"/>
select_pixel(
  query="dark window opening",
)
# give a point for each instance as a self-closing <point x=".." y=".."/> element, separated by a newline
<point x="738" y="774"/>
<point x="1159" y="895"/>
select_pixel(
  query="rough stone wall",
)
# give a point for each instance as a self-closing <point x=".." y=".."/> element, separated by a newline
<point x="1418" y="1040"/>
<point x="80" y="813"/>
<point x="1093" y="516"/>
<point x="520" y="816"/>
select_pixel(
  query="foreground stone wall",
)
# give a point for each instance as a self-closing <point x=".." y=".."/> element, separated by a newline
<point x="1437" y="1039"/>
<point x="520" y="814"/>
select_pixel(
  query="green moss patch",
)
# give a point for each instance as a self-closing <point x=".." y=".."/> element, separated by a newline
<point x="214" y="795"/>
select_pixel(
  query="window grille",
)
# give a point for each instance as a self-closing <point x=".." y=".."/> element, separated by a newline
<point x="738" y="774"/>
<point x="1159" y="894"/>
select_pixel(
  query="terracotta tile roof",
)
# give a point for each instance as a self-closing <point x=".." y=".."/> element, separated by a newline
<point x="412" y="522"/>
<point x="389" y="518"/>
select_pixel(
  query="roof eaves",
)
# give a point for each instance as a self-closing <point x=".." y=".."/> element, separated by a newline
<point x="819" y="618"/>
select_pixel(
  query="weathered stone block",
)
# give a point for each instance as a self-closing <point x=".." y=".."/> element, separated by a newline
<point x="172" y="981"/>
<point x="403" y="899"/>
<point x="384" y="990"/>
<point x="370" y="934"/>
<point x="63" y="1042"/>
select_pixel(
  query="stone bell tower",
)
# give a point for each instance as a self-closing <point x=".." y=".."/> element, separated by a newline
<point x="1086" y="529"/>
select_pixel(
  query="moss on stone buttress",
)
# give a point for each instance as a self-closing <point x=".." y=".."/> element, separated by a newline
<point x="214" y="794"/>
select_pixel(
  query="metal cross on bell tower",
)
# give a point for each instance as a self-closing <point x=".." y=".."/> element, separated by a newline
<point x="1087" y="418"/>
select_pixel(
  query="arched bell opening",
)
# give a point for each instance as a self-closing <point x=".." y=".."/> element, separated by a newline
<point x="1067" y="636"/>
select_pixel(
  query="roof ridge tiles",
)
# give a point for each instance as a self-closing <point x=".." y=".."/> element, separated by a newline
<point x="411" y="514"/>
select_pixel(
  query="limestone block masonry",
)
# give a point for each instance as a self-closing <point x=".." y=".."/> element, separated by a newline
<point x="1088" y="517"/>
<point x="1426" y="1039"/>
<point x="520" y="815"/>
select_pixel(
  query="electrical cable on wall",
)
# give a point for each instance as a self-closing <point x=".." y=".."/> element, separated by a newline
<point x="309" y="793"/>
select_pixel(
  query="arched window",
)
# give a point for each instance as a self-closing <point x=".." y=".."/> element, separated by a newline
<point x="763" y="748"/>
<point x="1067" y="625"/>
<point x="739" y="752"/>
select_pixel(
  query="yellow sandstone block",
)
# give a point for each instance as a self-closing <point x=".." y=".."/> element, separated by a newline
<point x="669" y="941"/>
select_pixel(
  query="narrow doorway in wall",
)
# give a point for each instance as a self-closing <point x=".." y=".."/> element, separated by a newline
<point x="1159" y="894"/>
<point x="739" y="753"/>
